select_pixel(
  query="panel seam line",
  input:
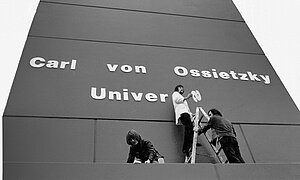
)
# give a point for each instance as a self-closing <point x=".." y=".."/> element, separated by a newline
<point x="144" y="11"/>
<point x="146" y="45"/>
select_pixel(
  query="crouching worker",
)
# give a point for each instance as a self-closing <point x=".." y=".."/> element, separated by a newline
<point x="141" y="151"/>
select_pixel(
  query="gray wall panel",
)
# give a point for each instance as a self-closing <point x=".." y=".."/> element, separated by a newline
<point x="111" y="146"/>
<point x="244" y="149"/>
<point x="79" y="171"/>
<point x="223" y="9"/>
<point x="144" y="28"/>
<point x="41" y="171"/>
<point x="243" y="146"/>
<point x="47" y="140"/>
<point x="273" y="144"/>
<point x="259" y="171"/>
<point x="67" y="93"/>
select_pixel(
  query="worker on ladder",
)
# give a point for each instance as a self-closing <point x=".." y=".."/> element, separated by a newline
<point x="183" y="116"/>
<point x="226" y="135"/>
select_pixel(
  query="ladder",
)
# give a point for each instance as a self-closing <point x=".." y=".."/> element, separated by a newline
<point x="215" y="153"/>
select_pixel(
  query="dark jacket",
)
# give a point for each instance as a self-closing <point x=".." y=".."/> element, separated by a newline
<point x="144" y="150"/>
<point x="222" y="126"/>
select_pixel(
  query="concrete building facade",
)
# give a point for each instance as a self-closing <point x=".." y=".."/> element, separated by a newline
<point x="92" y="70"/>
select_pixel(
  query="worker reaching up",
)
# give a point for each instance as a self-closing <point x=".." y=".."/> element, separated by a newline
<point x="183" y="116"/>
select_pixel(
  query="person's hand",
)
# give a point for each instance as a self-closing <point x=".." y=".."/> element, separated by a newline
<point x="200" y="131"/>
<point x="189" y="95"/>
<point x="196" y="129"/>
<point x="147" y="162"/>
<point x="137" y="162"/>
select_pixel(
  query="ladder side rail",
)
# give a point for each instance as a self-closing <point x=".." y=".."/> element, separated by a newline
<point x="220" y="160"/>
<point x="195" y="137"/>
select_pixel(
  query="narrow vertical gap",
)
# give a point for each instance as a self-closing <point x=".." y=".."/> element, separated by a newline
<point x="247" y="143"/>
<point x="217" y="172"/>
<point x="95" y="136"/>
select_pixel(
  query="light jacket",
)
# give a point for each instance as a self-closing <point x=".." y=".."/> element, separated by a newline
<point x="180" y="106"/>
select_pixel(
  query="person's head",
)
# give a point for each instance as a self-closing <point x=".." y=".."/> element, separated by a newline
<point x="133" y="138"/>
<point x="179" y="88"/>
<point x="214" y="112"/>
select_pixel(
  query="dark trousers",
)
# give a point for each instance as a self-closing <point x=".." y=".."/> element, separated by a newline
<point x="231" y="149"/>
<point x="188" y="133"/>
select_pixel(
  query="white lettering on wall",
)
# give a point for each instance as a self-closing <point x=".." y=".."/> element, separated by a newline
<point x="266" y="79"/>
<point x="119" y="96"/>
<point x="39" y="62"/>
<point x="180" y="71"/>
<point x="151" y="97"/>
<point x="140" y="69"/>
<point x="163" y="97"/>
<point x="137" y="97"/>
<point x="224" y="75"/>
<point x="213" y="73"/>
<point x="96" y="96"/>
<point x="112" y="68"/>
<point x="127" y="68"/>
<point x="114" y="95"/>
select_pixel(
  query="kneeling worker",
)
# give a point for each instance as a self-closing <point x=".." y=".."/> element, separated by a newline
<point x="141" y="151"/>
<point x="226" y="135"/>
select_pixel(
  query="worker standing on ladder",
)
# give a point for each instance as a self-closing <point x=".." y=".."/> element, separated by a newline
<point x="183" y="116"/>
<point x="226" y="135"/>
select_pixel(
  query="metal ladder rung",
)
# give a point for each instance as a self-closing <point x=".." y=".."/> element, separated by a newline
<point x="218" y="151"/>
<point x="206" y="155"/>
